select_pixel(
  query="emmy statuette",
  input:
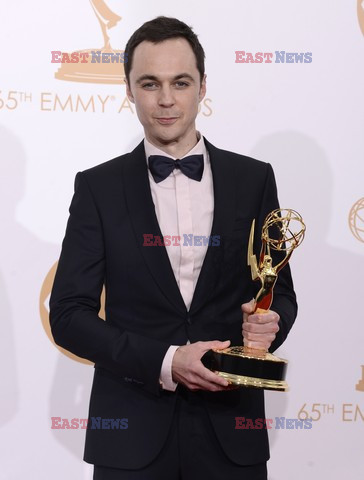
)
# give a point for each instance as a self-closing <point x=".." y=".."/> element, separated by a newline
<point x="283" y="231"/>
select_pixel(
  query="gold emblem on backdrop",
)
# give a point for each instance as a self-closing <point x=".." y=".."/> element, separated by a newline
<point x="361" y="15"/>
<point x="45" y="292"/>
<point x="360" y="385"/>
<point x="96" y="72"/>
<point x="356" y="220"/>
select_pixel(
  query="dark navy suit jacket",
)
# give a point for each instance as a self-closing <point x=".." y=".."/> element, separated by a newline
<point x="111" y="209"/>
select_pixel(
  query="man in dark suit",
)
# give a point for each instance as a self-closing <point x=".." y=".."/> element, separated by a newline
<point x="165" y="228"/>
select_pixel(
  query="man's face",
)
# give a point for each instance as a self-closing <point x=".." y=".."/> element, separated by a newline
<point x="166" y="89"/>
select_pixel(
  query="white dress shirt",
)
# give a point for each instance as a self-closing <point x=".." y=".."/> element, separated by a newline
<point x="184" y="207"/>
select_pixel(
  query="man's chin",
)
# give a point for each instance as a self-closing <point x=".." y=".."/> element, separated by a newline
<point x="166" y="136"/>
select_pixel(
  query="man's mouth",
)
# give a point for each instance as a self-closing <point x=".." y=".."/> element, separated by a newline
<point x="167" y="120"/>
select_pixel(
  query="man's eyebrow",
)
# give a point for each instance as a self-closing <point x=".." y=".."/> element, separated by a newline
<point x="184" y="75"/>
<point x="144" y="77"/>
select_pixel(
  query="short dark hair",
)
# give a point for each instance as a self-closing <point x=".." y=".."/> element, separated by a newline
<point x="159" y="29"/>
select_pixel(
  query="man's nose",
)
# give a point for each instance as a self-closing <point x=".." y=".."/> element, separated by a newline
<point x="166" y="97"/>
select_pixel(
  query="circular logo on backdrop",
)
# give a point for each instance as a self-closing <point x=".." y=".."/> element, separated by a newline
<point x="45" y="292"/>
<point x="361" y="15"/>
<point x="356" y="220"/>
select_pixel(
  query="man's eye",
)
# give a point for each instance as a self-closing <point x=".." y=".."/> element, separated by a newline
<point x="149" y="85"/>
<point x="182" y="84"/>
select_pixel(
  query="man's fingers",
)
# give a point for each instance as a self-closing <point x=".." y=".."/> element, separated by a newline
<point x="248" y="307"/>
<point x="207" y="375"/>
<point x="271" y="327"/>
<point x="261" y="318"/>
<point x="201" y="378"/>
<point x="210" y="381"/>
<point x="266" y="338"/>
<point x="210" y="387"/>
<point x="215" y="344"/>
<point x="188" y="369"/>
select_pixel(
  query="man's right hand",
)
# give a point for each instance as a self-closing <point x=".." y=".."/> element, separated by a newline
<point x="188" y="369"/>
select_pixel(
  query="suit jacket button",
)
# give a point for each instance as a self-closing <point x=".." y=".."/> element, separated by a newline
<point x="189" y="321"/>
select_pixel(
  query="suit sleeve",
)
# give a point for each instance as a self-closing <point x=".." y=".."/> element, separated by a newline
<point x="284" y="297"/>
<point x="75" y="302"/>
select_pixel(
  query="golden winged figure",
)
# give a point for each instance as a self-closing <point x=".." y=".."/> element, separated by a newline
<point x="287" y="241"/>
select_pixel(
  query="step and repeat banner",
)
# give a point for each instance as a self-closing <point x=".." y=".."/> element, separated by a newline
<point x="284" y="85"/>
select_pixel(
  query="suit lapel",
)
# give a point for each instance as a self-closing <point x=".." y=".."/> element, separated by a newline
<point x="224" y="181"/>
<point x="144" y="220"/>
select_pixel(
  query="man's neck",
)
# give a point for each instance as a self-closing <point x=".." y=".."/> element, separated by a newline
<point x="176" y="148"/>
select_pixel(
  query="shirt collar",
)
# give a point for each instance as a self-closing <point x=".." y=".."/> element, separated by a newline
<point x="199" y="148"/>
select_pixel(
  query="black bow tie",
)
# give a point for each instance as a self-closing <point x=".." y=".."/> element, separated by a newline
<point x="161" y="167"/>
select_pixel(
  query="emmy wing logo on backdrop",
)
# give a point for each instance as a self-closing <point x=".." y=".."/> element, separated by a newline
<point x="361" y="15"/>
<point x="44" y="295"/>
<point x="92" y="71"/>
<point x="356" y="220"/>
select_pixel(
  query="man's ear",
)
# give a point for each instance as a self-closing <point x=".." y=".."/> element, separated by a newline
<point x="128" y="91"/>
<point x="202" y="91"/>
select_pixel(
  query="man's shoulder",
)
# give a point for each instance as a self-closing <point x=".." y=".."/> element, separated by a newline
<point x="109" y="167"/>
<point x="113" y="167"/>
<point x="244" y="160"/>
<point x="241" y="160"/>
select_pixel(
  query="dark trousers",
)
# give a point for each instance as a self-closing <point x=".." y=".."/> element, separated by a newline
<point x="191" y="452"/>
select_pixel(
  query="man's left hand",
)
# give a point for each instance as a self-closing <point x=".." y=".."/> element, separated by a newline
<point x="259" y="329"/>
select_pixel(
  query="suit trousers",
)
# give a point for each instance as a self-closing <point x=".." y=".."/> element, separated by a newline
<point x="191" y="451"/>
